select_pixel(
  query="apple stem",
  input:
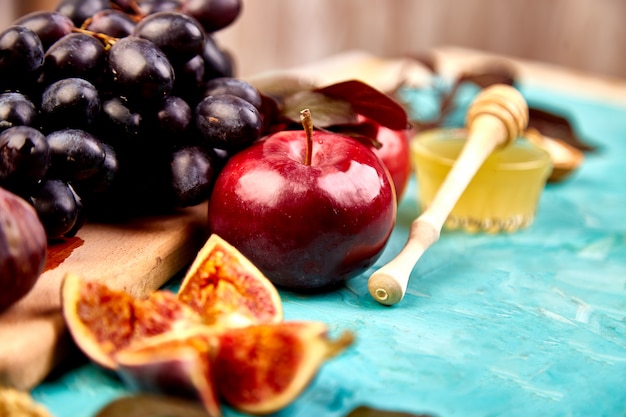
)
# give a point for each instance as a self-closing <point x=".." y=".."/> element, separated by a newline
<point x="307" y="124"/>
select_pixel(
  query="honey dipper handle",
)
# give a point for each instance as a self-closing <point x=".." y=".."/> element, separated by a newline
<point x="496" y="117"/>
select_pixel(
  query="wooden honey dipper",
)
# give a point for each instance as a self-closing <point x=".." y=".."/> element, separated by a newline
<point x="496" y="117"/>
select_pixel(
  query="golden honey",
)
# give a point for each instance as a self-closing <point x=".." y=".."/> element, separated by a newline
<point x="501" y="197"/>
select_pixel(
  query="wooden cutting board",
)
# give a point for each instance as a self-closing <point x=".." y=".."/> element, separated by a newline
<point x="138" y="256"/>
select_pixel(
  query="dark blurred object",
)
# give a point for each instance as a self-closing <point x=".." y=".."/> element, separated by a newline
<point x="364" y="411"/>
<point x="488" y="73"/>
<point x="152" y="405"/>
<point x="549" y="123"/>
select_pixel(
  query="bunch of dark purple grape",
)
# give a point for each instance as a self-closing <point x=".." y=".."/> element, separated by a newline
<point x="119" y="107"/>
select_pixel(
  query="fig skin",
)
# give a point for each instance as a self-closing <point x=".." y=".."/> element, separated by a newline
<point x="23" y="248"/>
<point x="221" y="337"/>
<point x="177" y="363"/>
<point x="258" y="369"/>
<point x="221" y="289"/>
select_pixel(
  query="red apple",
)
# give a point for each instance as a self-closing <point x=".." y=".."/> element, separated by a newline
<point x="309" y="209"/>
<point x="394" y="152"/>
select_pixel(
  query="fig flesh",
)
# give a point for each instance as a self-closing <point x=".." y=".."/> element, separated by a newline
<point x="261" y="369"/>
<point x="226" y="289"/>
<point x="221" y="337"/>
<point x="23" y="248"/>
<point x="103" y="321"/>
<point x="257" y="369"/>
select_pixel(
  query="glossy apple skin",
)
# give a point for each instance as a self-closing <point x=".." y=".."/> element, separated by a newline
<point x="306" y="227"/>
<point x="395" y="155"/>
<point x="394" y="152"/>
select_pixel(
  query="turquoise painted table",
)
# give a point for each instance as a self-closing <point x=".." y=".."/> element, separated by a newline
<point x="524" y="324"/>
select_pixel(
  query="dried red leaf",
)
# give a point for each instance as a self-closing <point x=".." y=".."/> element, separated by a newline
<point x="556" y="126"/>
<point x="490" y="73"/>
<point x="369" y="102"/>
<point x="327" y="111"/>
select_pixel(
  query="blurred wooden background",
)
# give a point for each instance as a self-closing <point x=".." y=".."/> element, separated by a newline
<point x="588" y="35"/>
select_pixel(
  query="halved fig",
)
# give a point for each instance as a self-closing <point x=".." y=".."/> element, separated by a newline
<point x="261" y="369"/>
<point x="227" y="290"/>
<point x="174" y="363"/>
<point x="102" y="320"/>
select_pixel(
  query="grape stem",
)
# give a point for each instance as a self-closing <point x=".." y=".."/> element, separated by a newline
<point x="134" y="12"/>
<point x="108" y="41"/>
<point x="139" y="14"/>
<point x="307" y="124"/>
